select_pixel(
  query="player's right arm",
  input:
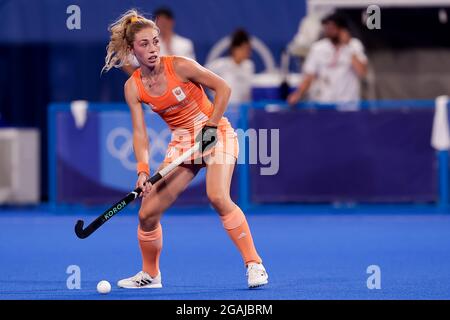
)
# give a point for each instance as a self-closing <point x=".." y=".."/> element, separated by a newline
<point x="140" y="137"/>
<point x="298" y="94"/>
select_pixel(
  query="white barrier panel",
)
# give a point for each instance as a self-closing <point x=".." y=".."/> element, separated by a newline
<point x="440" y="137"/>
<point x="19" y="166"/>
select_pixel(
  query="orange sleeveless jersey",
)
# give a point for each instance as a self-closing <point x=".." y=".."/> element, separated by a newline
<point x="184" y="105"/>
<point x="185" y="108"/>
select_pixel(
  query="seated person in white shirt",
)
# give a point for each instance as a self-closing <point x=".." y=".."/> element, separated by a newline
<point x="170" y="42"/>
<point x="335" y="64"/>
<point x="236" y="69"/>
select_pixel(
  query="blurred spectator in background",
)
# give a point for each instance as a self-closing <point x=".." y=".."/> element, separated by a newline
<point x="237" y="69"/>
<point x="170" y="42"/>
<point x="335" y="64"/>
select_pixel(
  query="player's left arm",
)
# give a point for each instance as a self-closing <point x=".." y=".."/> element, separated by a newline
<point x="190" y="70"/>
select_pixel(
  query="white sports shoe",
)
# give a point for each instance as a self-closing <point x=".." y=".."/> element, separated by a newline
<point x="141" y="280"/>
<point x="256" y="275"/>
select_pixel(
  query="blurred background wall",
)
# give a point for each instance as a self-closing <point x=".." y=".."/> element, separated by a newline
<point x="43" y="61"/>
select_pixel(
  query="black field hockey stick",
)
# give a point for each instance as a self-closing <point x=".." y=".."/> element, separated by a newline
<point x="119" y="206"/>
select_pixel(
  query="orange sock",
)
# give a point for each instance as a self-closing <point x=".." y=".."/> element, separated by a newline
<point x="237" y="228"/>
<point x="151" y="244"/>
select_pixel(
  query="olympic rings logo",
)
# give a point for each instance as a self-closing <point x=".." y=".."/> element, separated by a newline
<point x="119" y="144"/>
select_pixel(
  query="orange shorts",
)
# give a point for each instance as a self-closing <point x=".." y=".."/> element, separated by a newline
<point x="227" y="143"/>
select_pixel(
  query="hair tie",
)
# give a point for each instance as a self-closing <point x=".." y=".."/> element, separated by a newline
<point x="134" y="19"/>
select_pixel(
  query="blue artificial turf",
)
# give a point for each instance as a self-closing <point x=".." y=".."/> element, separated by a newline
<point x="311" y="255"/>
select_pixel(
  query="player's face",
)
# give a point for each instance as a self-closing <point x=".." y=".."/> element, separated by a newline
<point x="331" y="31"/>
<point x="146" y="47"/>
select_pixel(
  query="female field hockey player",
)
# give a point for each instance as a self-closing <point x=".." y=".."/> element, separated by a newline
<point x="173" y="87"/>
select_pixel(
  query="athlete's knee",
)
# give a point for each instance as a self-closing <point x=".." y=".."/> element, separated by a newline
<point x="149" y="219"/>
<point x="220" y="200"/>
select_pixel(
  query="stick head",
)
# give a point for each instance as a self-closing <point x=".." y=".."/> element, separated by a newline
<point x="79" y="229"/>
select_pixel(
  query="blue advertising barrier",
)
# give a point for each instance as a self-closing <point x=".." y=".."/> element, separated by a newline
<point x="95" y="164"/>
<point x="330" y="156"/>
